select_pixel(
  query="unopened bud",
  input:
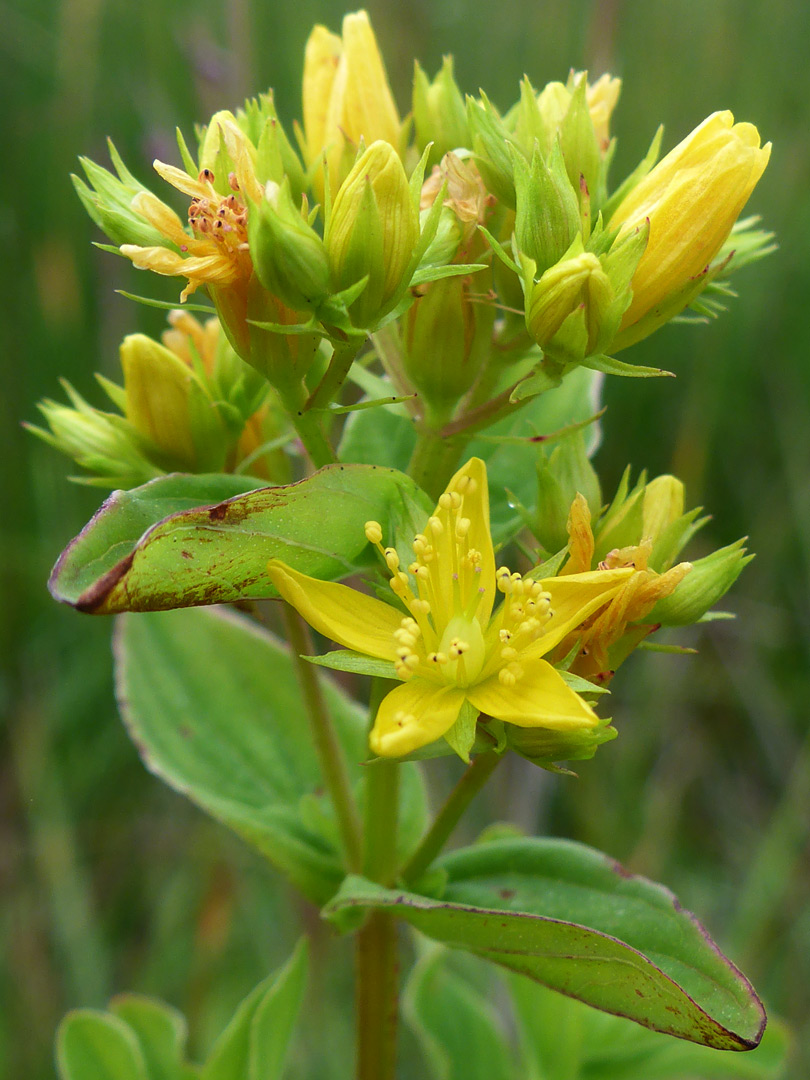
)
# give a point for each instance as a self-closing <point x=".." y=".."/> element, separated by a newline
<point x="372" y="231"/>
<point x="439" y="113"/>
<point x="709" y="579"/>
<point x="544" y="746"/>
<point x="288" y="255"/>
<point x="571" y="311"/>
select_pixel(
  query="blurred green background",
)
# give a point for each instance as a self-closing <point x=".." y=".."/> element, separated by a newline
<point x="112" y="882"/>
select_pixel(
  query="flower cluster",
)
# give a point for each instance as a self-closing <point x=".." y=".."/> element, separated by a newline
<point x="336" y="239"/>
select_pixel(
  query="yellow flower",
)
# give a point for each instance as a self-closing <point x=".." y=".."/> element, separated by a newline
<point x="448" y="646"/>
<point x="692" y="198"/>
<point x="346" y="96"/>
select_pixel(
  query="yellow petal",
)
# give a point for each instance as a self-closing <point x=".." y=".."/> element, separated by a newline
<point x="471" y="483"/>
<point x="414" y="714"/>
<point x="339" y="613"/>
<point x="321" y="58"/>
<point x="539" y="698"/>
<point x="368" y="105"/>
<point x="573" y="599"/>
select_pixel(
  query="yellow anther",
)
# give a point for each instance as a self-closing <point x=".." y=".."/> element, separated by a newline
<point x="404" y="673"/>
<point x="411" y="662"/>
<point x="466" y="485"/>
<point x="403" y="652"/>
<point x="506" y="678"/>
<point x="505" y="635"/>
<point x="373" y="531"/>
<point x="458" y="648"/>
<point x="420" y="607"/>
<point x="462" y="528"/>
<point x="435" y="526"/>
<point x="392" y="559"/>
<point x="402" y="718"/>
<point x="445" y="502"/>
<point x="437" y="658"/>
<point x="508" y="653"/>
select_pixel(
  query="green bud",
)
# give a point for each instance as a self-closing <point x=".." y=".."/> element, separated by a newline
<point x="566" y="472"/>
<point x="709" y="579"/>
<point x="372" y="231"/>
<point x="288" y="255"/>
<point x="547" y="218"/>
<point x="580" y="146"/>
<point x="439" y="113"/>
<point x="544" y="746"/>
<point x="447" y="341"/>
<point x="108" y="201"/>
<point x="275" y="156"/>
<point x="572" y="311"/>
<point x="490" y="138"/>
<point x="444" y="245"/>
<point x="102" y="443"/>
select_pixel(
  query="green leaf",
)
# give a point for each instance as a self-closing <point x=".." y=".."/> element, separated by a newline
<point x="346" y="660"/>
<point x="213" y="705"/>
<point x="160" y="1030"/>
<point x="189" y="540"/>
<point x="254" y="1045"/>
<point x="459" y="1031"/>
<point x="91" y="1045"/>
<point x="567" y="1040"/>
<point x="576" y="921"/>
<point x="611" y="366"/>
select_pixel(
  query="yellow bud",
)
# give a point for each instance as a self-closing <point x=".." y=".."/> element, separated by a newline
<point x="662" y="505"/>
<point x="372" y="230"/>
<point x="158" y="386"/>
<point x="346" y="95"/>
<point x="566" y="308"/>
<point x="602" y="97"/>
<point x="692" y="199"/>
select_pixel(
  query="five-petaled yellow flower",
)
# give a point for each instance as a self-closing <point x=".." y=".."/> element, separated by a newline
<point x="447" y="644"/>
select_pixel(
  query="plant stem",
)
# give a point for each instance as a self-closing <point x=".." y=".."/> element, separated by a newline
<point x="448" y="817"/>
<point x="376" y="998"/>
<point x="376" y="946"/>
<point x="308" y="426"/>
<point x="434" y="458"/>
<point x="327" y="746"/>
<point x="334" y="376"/>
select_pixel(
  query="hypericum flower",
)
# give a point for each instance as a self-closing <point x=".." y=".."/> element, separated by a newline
<point x="215" y="251"/>
<point x="445" y="642"/>
<point x="691" y="198"/>
<point x="346" y="95"/>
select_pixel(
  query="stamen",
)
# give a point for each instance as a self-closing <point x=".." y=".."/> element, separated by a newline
<point x="373" y="531"/>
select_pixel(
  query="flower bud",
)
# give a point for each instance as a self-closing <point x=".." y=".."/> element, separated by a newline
<point x="709" y="580"/>
<point x="692" y="198"/>
<point x="439" y="112"/>
<point x="288" y="255"/>
<point x="661" y="507"/>
<point x="346" y="96"/>
<point x="490" y="140"/>
<point x="544" y="746"/>
<point x="447" y="341"/>
<point x="372" y="231"/>
<point x="571" y="312"/>
<point x="547" y="218"/>
<point x="166" y="402"/>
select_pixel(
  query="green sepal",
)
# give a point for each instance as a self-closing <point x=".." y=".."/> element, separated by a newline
<point x="346" y="660"/>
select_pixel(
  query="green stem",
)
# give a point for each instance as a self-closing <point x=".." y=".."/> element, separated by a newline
<point x="376" y="998"/>
<point x="434" y="459"/>
<point x="448" y="817"/>
<point x="307" y="425"/>
<point x="376" y="943"/>
<point x="327" y="746"/>
<point x="334" y="376"/>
